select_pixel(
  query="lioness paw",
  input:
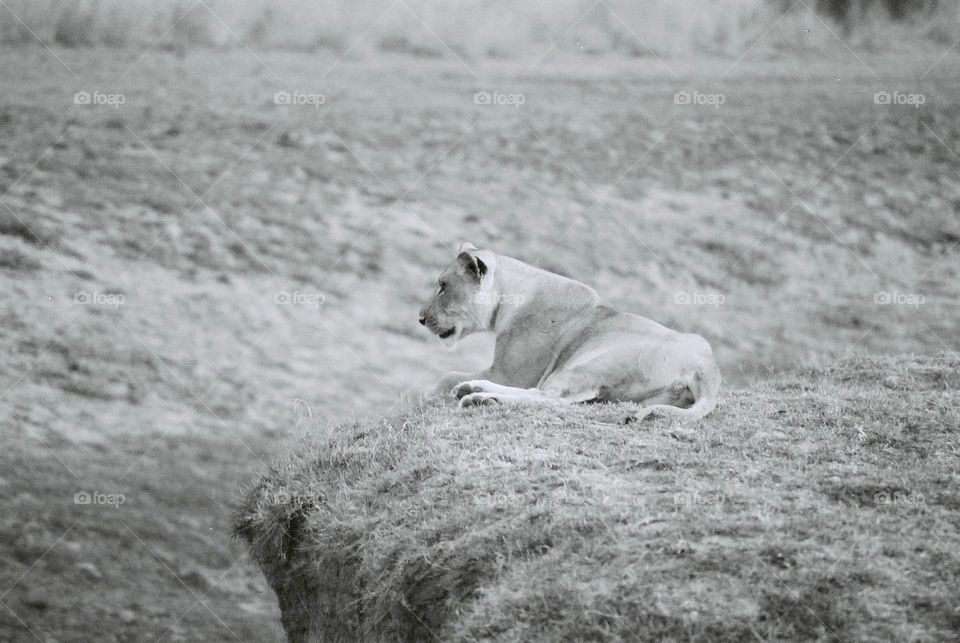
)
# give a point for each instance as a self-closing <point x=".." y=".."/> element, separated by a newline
<point x="466" y="388"/>
<point x="478" y="399"/>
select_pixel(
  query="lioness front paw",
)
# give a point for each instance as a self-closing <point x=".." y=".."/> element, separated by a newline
<point x="478" y="399"/>
<point x="463" y="389"/>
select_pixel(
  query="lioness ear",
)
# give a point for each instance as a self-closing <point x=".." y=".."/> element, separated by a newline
<point x="466" y="246"/>
<point x="472" y="264"/>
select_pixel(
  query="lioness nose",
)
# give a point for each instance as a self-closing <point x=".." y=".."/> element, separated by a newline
<point x="423" y="320"/>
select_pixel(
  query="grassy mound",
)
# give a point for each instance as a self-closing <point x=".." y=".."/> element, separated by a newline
<point x="820" y="505"/>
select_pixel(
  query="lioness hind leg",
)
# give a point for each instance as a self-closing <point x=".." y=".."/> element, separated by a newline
<point x="677" y="394"/>
<point x="621" y="372"/>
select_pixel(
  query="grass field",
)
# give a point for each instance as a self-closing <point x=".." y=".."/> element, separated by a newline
<point x="194" y="276"/>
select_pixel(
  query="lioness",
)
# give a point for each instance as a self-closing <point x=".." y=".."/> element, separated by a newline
<point x="556" y="343"/>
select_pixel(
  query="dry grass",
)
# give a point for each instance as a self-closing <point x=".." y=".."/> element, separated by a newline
<point x="821" y="505"/>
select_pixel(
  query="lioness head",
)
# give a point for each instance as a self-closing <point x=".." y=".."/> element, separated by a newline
<point x="459" y="306"/>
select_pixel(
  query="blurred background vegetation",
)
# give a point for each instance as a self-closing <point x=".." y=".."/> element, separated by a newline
<point x="481" y="28"/>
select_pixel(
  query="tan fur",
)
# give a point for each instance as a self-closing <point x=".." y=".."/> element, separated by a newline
<point x="557" y="344"/>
